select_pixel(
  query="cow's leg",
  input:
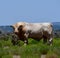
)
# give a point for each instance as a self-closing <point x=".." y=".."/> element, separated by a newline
<point x="25" y="42"/>
<point x="25" y="39"/>
<point x="14" y="42"/>
<point x="50" y="41"/>
<point x="44" y="39"/>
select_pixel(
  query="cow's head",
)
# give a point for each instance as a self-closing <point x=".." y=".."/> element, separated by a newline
<point x="18" y="27"/>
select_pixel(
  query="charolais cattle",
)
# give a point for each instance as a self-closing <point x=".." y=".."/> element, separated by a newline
<point x="35" y="31"/>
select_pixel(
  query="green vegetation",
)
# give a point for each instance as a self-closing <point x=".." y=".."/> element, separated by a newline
<point x="33" y="50"/>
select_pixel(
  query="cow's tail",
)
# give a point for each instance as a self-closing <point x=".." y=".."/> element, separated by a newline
<point x="52" y="33"/>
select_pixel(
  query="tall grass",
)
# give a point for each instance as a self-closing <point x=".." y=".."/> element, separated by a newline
<point x="33" y="50"/>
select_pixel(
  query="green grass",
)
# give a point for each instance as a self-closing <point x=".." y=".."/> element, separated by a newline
<point x="33" y="50"/>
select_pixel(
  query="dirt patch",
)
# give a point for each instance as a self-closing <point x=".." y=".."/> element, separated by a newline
<point x="16" y="56"/>
<point x="43" y="56"/>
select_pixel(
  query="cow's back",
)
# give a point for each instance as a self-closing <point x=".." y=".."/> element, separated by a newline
<point x="36" y="30"/>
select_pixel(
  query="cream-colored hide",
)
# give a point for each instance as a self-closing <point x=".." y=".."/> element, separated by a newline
<point x="35" y="31"/>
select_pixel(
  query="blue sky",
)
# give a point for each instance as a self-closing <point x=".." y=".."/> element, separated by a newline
<point x="12" y="11"/>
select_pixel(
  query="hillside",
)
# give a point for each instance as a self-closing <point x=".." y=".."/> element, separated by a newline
<point x="56" y="25"/>
<point x="6" y="29"/>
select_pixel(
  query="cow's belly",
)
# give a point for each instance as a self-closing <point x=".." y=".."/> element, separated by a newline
<point x="35" y="35"/>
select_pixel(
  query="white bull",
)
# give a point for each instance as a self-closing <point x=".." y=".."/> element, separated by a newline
<point x="35" y="31"/>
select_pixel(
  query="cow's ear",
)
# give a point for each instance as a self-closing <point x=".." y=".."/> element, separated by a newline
<point x="20" y="27"/>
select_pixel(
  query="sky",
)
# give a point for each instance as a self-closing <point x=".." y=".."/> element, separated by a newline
<point x="12" y="11"/>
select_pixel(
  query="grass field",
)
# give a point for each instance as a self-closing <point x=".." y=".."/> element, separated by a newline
<point x="33" y="50"/>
